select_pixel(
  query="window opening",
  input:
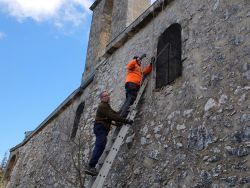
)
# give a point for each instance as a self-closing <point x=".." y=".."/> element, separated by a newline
<point x="168" y="62"/>
<point x="79" y="112"/>
<point x="10" y="167"/>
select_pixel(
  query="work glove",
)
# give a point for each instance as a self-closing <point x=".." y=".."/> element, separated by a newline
<point x="130" y="122"/>
<point x="118" y="124"/>
<point x="142" y="56"/>
<point x="152" y="60"/>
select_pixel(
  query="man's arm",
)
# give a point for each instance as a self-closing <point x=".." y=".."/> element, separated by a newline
<point x="113" y="115"/>
<point x="131" y="64"/>
<point x="147" y="69"/>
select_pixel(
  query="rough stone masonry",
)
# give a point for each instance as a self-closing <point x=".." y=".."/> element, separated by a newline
<point x="193" y="132"/>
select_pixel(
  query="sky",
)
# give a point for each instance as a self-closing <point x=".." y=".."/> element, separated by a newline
<point x="42" y="54"/>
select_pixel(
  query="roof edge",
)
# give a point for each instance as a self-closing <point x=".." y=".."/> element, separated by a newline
<point x="92" y="7"/>
<point x="75" y="94"/>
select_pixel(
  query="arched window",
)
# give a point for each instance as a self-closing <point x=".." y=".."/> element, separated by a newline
<point x="77" y="119"/>
<point x="10" y="166"/>
<point x="168" y="62"/>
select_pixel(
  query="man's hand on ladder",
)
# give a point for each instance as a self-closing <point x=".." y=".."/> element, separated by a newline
<point x="152" y="61"/>
<point x="130" y="122"/>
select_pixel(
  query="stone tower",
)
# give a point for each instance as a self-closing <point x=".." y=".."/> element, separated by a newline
<point x="110" y="18"/>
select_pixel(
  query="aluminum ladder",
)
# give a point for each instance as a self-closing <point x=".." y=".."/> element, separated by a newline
<point x="115" y="143"/>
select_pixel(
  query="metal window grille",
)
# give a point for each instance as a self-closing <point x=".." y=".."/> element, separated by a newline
<point x="168" y="62"/>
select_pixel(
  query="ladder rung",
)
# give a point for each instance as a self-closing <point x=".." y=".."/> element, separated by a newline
<point x="116" y="141"/>
<point x="100" y="163"/>
<point x="107" y="150"/>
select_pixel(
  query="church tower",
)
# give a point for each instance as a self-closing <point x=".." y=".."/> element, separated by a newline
<point x="109" y="19"/>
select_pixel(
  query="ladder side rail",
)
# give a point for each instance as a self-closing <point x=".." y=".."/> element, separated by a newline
<point x="133" y="107"/>
<point x="104" y="155"/>
<point x="102" y="159"/>
<point x="118" y="142"/>
<point x="110" y="142"/>
<point x="108" y="162"/>
<point x="116" y="130"/>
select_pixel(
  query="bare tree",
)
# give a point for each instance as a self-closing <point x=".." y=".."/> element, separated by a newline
<point x="2" y="168"/>
<point x="4" y="161"/>
<point x="72" y="170"/>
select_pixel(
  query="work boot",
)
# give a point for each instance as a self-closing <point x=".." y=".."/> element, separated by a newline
<point x="91" y="171"/>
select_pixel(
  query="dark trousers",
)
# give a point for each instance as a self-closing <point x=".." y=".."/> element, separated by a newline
<point x="101" y="133"/>
<point x="131" y="93"/>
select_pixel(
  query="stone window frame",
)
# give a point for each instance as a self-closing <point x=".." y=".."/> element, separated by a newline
<point x="77" y="119"/>
<point x="174" y="46"/>
<point x="10" y="165"/>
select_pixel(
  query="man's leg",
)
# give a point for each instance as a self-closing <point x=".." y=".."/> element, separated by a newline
<point x="100" y="143"/>
<point x="129" y="101"/>
<point x="131" y="94"/>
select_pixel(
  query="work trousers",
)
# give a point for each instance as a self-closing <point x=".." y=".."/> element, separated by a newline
<point x="101" y="133"/>
<point x="131" y="93"/>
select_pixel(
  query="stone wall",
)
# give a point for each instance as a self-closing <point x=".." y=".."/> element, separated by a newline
<point x="136" y="8"/>
<point x="1" y="178"/>
<point x="96" y="43"/>
<point x="110" y="18"/>
<point x="99" y="34"/>
<point x="119" y="16"/>
<point x="48" y="159"/>
<point x="125" y="12"/>
<point x="198" y="133"/>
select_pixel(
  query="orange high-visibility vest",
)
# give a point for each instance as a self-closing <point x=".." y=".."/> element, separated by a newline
<point x="135" y="72"/>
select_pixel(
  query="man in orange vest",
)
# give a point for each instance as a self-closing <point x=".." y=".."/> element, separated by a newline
<point x="133" y="81"/>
